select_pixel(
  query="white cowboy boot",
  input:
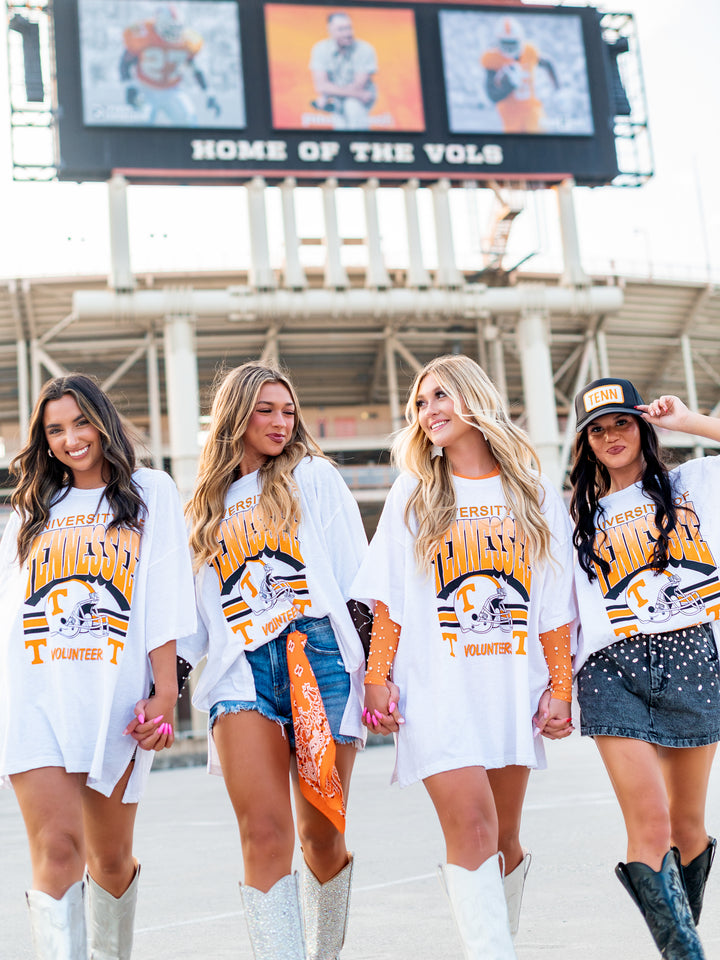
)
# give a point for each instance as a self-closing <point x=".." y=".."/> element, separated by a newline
<point x="479" y="910"/>
<point x="58" y="926"/>
<point x="325" y="908"/>
<point x="111" y="920"/>
<point x="514" y="883"/>
<point x="274" y="921"/>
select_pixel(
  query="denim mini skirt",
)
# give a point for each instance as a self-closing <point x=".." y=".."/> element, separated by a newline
<point x="272" y="683"/>
<point x="662" y="688"/>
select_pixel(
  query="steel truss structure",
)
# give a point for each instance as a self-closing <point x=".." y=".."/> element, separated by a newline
<point x="352" y="339"/>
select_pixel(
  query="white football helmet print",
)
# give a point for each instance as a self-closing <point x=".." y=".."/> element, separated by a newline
<point x="479" y="605"/>
<point x="71" y="609"/>
<point x="262" y="590"/>
<point x="655" y="596"/>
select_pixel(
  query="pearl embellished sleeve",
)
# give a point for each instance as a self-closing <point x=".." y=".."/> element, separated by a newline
<point x="556" y="647"/>
<point x="383" y="646"/>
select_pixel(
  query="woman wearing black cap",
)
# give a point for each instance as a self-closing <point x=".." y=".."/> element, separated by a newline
<point x="648" y="541"/>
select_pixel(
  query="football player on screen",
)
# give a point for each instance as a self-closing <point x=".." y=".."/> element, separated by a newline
<point x="159" y="56"/>
<point x="510" y="68"/>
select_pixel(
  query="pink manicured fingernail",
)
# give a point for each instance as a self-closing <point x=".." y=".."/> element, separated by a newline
<point x="141" y="718"/>
<point x="401" y="720"/>
<point x="166" y="729"/>
<point x="391" y="707"/>
<point x="157" y="719"/>
<point x="378" y="714"/>
<point x="375" y="723"/>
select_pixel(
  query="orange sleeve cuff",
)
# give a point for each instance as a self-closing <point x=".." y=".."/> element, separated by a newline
<point x="556" y="647"/>
<point x="383" y="646"/>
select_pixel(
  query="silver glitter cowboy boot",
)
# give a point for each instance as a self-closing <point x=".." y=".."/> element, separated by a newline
<point x="513" y="885"/>
<point x="325" y="907"/>
<point x="479" y="910"/>
<point x="274" y="921"/>
<point x="111" y="920"/>
<point x="58" y="926"/>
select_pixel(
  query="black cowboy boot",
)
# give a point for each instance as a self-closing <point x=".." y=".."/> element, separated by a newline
<point x="662" y="900"/>
<point x="694" y="876"/>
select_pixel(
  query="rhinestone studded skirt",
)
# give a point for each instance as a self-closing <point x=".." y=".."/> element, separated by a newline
<point x="662" y="688"/>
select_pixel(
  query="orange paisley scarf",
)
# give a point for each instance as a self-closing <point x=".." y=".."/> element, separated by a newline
<point x="314" y="746"/>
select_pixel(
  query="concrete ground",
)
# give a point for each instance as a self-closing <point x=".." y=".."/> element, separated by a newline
<point x="187" y="840"/>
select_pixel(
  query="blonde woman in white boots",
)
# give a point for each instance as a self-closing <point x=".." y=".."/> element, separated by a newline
<point x="277" y="539"/>
<point x="96" y="584"/>
<point x="470" y="577"/>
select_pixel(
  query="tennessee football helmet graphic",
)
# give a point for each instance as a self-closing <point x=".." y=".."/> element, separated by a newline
<point x="71" y="609"/>
<point x="656" y="596"/>
<point x="480" y="605"/>
<point x="261" y="589"/>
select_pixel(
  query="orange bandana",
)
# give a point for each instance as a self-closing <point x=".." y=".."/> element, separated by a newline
<point x="314" y="745"/>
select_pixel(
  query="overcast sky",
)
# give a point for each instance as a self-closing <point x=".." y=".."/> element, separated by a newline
<point x="671" y="225"/>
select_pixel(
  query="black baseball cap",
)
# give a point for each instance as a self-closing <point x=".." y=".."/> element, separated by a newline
<point x="607" y="395"/>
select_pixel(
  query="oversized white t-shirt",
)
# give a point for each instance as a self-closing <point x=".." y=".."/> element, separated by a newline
<point x="469" y="665"/>
<point x="77" y="622"/>
<point x="253" y="589"/>
<point x="632" y="598"/>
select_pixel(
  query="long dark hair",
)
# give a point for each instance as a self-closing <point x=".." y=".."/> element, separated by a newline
<point x="42" y="480"/>
<point x="590" y="482"/>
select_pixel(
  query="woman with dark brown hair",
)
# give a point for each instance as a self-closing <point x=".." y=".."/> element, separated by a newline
<point x="96" y="584"/>
<point x="648" y="589"/>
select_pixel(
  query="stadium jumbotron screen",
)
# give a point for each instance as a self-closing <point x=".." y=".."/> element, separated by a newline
<point x="224" y="90"/>
<point x="509" y="75"/>
<point x="144" y="65"/>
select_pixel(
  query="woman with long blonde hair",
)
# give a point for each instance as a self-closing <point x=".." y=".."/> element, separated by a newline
<point x="277" y="540"/>
<point x="95" y="585"/>
<point x="469" y="576"/>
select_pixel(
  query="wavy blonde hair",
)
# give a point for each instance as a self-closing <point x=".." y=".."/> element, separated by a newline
<point x="433" y="502"/>
<point x="279" y="505"/>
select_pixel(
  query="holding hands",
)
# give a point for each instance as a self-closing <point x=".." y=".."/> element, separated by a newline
<point x="553" y="718"/>
<point x="381" y="714"/>
<point x="151" y="727"/>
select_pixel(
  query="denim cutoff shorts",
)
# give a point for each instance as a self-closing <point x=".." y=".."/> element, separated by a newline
<point x="662" y="688"/>
<point x="272" y="683"/>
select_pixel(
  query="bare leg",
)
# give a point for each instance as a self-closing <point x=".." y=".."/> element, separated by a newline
<point x="322" y="844"/>
<point x="255" y="757"/>
<point x="509" y="785"/>
<point x="109" y="825"/>
<point x="686" y="772"/>
<point x="651" y="875"/>
<point x="636" y="775"/>
<point x="465" y="807"/>
<point x="51" y="805"/>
